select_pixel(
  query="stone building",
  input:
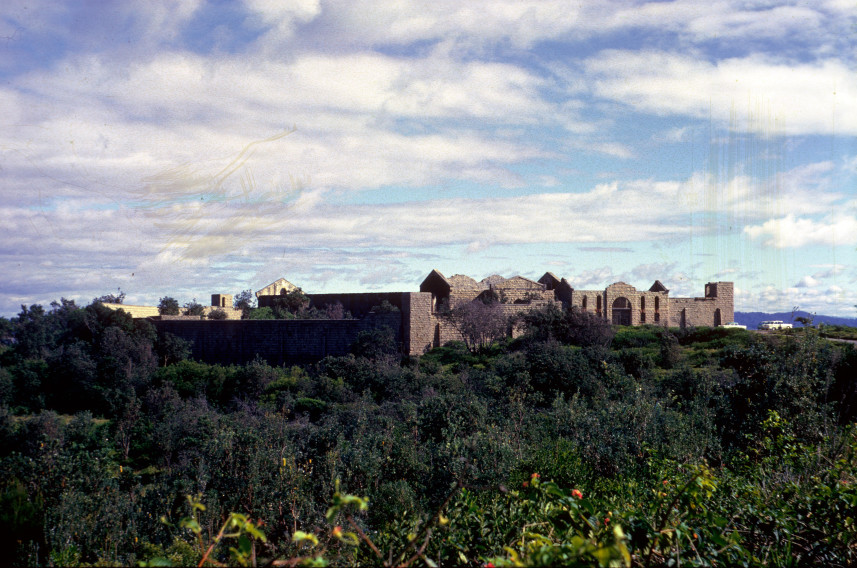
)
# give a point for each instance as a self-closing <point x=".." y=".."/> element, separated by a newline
<point x="419" y="320"/>
<point x="619" y="303"/>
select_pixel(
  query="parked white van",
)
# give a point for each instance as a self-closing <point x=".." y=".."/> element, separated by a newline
<point x="774" y="324"/>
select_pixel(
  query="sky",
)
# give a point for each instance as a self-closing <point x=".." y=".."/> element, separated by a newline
<point x="186" y="148"/>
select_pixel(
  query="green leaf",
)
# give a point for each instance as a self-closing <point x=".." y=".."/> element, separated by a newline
<point x="301" y="536"/>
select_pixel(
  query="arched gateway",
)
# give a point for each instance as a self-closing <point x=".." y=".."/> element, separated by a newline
<point x="621" y="311"/>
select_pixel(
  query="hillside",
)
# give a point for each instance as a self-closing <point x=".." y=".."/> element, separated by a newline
<point x="752" y="319"/>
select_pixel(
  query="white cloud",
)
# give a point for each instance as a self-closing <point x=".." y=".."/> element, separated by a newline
<point x="770" y="97"/>
<point x="807" y="282"/>
<point x="791" y="231"/>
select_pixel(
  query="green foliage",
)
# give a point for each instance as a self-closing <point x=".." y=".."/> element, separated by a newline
<point x="218" y="314"/>
<point x="376" y="343"/>
<point x="385" y="307"/>
<point x="244" y="301"/>
<point x="291" y="304"/>
<point x="569" y="327"/>
<point x="168" y="306"/>
<point x="701" y="447"/>
<point x="265" y="313"/>
<point x="193" y="308"/>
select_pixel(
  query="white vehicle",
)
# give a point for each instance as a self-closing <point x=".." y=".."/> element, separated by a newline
<point x="734" y="325"/>
<point x="774" y="324"/>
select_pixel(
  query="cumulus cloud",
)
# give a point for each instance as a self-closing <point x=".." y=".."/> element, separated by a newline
<point x="807" y="282"/>
<point x="791" y="231"/>
<point x="774" y="96"/>
<point x="160" y="138"/>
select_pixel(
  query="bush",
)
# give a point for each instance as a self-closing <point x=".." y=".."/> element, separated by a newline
<point x="168" y="306"/>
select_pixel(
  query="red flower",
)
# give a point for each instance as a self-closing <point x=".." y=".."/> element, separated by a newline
<point x="535" y="476"/>
<point x="526" y="484"/>
<point x="577" y="493"/>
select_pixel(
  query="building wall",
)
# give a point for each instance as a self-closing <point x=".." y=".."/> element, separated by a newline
<point x="696" y="312"/>
<point x="418" y="322"/>
<point x="276" y="341"/>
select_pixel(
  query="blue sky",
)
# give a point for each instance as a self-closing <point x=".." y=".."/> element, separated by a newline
<point x="190" y="148"/>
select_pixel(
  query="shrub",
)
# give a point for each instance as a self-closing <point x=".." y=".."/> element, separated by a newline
<point x="168" y="306"/>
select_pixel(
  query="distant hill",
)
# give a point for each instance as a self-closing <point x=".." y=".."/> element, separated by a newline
<point x="752" y="319"/>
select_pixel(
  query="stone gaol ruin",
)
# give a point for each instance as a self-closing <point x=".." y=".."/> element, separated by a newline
<point x="419" y="319"/>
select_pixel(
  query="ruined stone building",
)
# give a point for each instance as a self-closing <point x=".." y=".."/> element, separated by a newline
<point x="419" y="320"/>
<point x="618" y="303"/>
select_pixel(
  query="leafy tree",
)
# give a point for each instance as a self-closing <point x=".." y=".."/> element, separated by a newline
<point x="290" y="304"/>
<point x="34" y="332"/>
<point x="193" y="308"/>
<point x="110" y="298"/>
<point x="244" y="301"/>
<point x="168" y="306"/>
<point x="218" y="314"/>
<point x="572" y="327"/>
<point x="172" y="348"/>
<point x="479" y="323"/>
<point x="265" y="313"/>
<point x="376" y="343"/>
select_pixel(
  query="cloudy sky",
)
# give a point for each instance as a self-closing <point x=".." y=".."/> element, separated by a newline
<point x="187" y="148"/>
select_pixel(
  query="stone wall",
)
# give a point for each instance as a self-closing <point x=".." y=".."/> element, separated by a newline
<point x="276" y="341"/>
<point x="134" y="311"/>
<point x="419" y="323"/>
<point x="716" y="308"/>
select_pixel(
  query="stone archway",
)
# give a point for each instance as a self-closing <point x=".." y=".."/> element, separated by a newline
<point x="621" y="311"/>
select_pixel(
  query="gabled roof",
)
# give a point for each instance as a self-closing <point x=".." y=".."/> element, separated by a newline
<point x="658" y="287"/>
<point x="275" y="288"/>
<point x="520" y="282"/>
<point x="492" y="280"/>
<point x="435" y="280"/>
<point x="463" y="282"/>
<point x="549" y="279"/>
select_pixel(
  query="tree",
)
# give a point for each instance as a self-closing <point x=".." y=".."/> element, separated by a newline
<point x="290" y="304"/>
<point x="265" y="313"/>
<point x="168" y="306"/>
<point x="110" y="298"/>
<point x="479" y="323"/>
<point x="375" y="343"/>
<point x="172" y="348"/>
<point x="218" y="314"/>
<point x="193" y="308"/>
<point x="245" y="301"/>
<point x="573" y="327"/>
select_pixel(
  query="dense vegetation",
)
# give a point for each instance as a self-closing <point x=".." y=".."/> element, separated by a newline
<point x="575" y="444"/>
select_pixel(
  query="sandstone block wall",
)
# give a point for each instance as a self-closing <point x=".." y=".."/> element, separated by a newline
<point x="716" y="308"/>
<point x="420" y="325"/>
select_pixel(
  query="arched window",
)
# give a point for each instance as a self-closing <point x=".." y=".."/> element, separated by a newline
<point x="642" y="309"/>
<point x="583" y="304"/>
